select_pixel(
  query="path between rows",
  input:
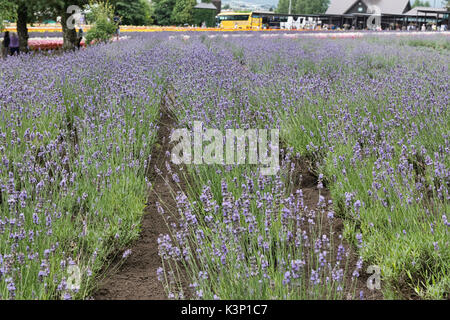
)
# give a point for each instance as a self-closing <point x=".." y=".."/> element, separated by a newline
<point x="136" y="278"/>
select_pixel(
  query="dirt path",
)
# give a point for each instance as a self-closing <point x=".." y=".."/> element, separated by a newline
<point x="136" y="279"/>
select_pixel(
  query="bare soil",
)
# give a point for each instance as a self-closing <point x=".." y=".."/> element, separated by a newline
<point x="136" y="278"/>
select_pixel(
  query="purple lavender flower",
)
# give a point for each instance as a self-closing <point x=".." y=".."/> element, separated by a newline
<point x="126" y="253"/>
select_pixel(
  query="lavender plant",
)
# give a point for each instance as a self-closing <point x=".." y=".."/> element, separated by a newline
<point x="76" y="135"/>
<point x="369" y="115"/>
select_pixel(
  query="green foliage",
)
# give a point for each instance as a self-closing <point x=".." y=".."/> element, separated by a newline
<point x="303" y="6"/>
<point x="104" y="27"/>
<point x="183" y="11"/>
<point x="205" y="15"/>
<point x="55" y="8"/>
<point x="100" y="9"/>
<point x="439" y="45"/>
<point x="134" y="13"/>
<point x="419" y="3"/>
<point x="102" y="31"/>
<point x="8" y="11"/>
<point x="163" y="11"/>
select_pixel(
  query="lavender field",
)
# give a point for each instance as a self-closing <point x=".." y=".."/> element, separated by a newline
<point x="363" y="183"/>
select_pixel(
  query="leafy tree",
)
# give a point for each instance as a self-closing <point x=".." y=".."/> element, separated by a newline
<point x="303" y="6"/>
<point x="163" y="11"/>
<point x="419" y="3"/>
<point x="18" y="11"/>
<point x="100" y="9"/>
<point x="205" y="15"/>
<point x="183" y="11"/>
<point x="283" y="6"/>
<point x="104" y="27"/>
<point x="27" y="11"/>
<point x="316" y="6"/>
<point x="60" y="8"/>
<point x="134" y="12"/>
<point x="22" y="11"/>
<point x="226" y="7"/>
<point x="8" y="12"/>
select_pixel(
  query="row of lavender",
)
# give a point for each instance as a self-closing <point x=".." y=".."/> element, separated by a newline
<point x="370" y="115"/>
<point x="243" y="235"/>
<point x="76" y="133"/>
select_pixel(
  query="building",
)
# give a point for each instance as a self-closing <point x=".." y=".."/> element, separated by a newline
<point x="425" y="11"/>
<point x="362" y="15"/>
<point x="393" y="7"/>
<point x="205" y="13"/>
<point x="207" y="6"/>
<point x="393" y="14"/>
<point x="425" y="15"/>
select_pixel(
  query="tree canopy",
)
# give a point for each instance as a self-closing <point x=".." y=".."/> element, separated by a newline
<point x="303" y="6"/>
<point x="170" y="12"/>
<point x="26" y="11"/>
<point x="183" y="11"/>
<point x="419" y="3"/>
<point x="7" y="10"/>
<point x="134" y="12"/>
<point x="104" y="26"/>
<point x="163" y="11"/>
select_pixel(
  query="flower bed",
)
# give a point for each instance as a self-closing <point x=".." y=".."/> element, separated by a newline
<point x="48" y="43"/>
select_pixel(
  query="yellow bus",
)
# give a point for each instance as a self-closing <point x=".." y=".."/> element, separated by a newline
<point x="240" y="21"/>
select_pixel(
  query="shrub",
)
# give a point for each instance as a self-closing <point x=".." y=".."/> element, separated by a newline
<point x="102" y="31"/>
<point x="104" y="27"/>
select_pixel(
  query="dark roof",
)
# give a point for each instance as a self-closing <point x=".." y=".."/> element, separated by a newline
<point x="386" y="6"/>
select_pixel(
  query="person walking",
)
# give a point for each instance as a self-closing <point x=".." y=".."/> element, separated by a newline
<point x="5" y="45"/>
<point x="14" y="44"/>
